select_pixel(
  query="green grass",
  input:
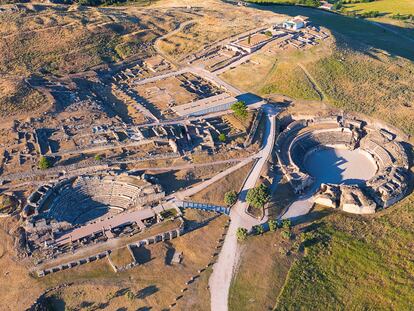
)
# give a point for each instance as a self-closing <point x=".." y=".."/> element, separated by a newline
<point x="355" y="263"/>
<point x="359" y="83"/>
<point x="274" y="1"/>
<point x="384" y="6"/>
<point x="263" y="269"/>
<point x="290" y="80"/>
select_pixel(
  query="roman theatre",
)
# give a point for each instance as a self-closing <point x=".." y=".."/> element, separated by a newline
<point x="357" y="166"/>
<point x="87" y="209"/>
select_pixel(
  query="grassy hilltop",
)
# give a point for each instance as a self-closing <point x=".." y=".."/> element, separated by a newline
<point x="338" y="262"/>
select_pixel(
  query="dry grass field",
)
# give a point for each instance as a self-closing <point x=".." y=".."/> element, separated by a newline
<point x="180" y="179"/>
<point x="277" y="71"/>
<point x="61" y="40"/>
<point x="260" y="276"/>
<point x="371" y="82"/>
<point x="17" y="96"/>
<point x="375" y="85"/>
<point x="214" y="194"/>
<point x="337" y="260"/>
<point x="218" y="22"/>
<point x="154" y="283"/>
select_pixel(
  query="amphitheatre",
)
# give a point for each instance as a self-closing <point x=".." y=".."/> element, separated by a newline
<point x="205" y="155"/>
<point x="378" y="163"/>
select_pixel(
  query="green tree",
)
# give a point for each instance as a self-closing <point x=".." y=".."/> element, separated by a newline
<point x="312" y="3"/>
<point x="258" y="197"/>
<point x="230" y="197"/>
<point x="337" y="5"/>
<point x="286" y="223"/>
<point x="241" y="234"/>
<point x="240" y="109"/>
<point x="258" y="229"/>
<point x="222" y="137"/>
<point x="272" y="225"/>
<point x="286" y="234"/>
<point x="98" y="157"/>
<point x="130" y="295"/>
<point x="44" y="163"/>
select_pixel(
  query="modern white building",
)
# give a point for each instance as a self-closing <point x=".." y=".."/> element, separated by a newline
<point x="298" y="22"/>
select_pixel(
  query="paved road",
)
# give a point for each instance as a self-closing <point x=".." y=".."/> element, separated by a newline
<point x="226" y="264"/>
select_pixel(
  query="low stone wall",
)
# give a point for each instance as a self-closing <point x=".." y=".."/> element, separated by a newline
<point x="164" y="236"/>
<point x="132" y="264"/>
<point x="69" y="265"/>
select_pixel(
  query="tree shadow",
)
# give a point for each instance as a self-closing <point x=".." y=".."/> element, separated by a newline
<point x="121" y="292"/>
<point x="311" y="216"/>
<point x="146" y="292"/>
<point x="191" y="225"/>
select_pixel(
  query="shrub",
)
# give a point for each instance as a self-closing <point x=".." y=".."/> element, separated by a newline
<point x="222" y="137"/>
<point x="272" y="225"/>
<point x="258" y="197"/>
<point x="286" y="234"/>
<point x="258" y="229"/>
<point x="338" y="5"/>
<point x="98" y="157"/>
<point x="241" y="234"/>
<point x="130" y="295"/>
<point x="286" y="223"/>
<point x="230" y="198"/>
<point x="44" y="163"/>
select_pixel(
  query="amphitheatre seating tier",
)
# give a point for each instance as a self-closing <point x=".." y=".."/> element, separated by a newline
<point x="293" y="149"/>
<point x="87" y="197"/>
<point x="398" y="153"/>
<point x="381" y="155"/>
<point x="389" y="185"/>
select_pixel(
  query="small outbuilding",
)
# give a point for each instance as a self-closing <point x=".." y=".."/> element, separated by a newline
<point x="298" y="22"/>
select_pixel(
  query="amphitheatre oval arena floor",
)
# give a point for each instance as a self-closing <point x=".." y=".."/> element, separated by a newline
<point x="340" y="166"/>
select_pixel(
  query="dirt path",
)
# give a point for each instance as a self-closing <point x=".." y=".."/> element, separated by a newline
<point x="313" y="82"/>
<point x="171" y="33"/>
<point x="228" y="259"/>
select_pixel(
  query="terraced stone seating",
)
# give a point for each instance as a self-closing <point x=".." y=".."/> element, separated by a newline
<point x="86" y="197"/>
<point x="294" y="148"/>
<point x="381" y="155"/>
